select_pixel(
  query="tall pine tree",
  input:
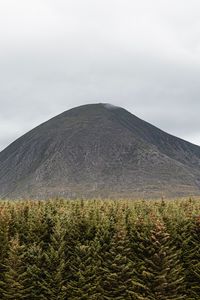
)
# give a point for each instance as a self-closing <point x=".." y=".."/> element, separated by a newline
<point x="84" y="283"/>
<point x="117" y="269"/>
<point x="158" y="269"/>
<point x="53" y="265"/>
<point x="13" y="285"/>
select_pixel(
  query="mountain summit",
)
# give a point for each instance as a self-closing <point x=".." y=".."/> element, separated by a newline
<point x="98" y="150"/>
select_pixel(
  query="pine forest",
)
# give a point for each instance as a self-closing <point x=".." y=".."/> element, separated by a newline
<point x="100" y="249"/>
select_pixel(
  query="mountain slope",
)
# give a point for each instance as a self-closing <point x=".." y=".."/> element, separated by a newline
<point x="98" y="150"/>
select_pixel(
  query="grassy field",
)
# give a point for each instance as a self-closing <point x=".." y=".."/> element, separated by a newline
<point x="100" y="249"/>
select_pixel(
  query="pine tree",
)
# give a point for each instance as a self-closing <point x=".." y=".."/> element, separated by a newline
<point x="159" y="271"/>
<point x="117" y="269"/>
<point x="194" y="290"/>
<point x="84" y="283"/>
<point x="13" y="285"/>
<point x="191" y="257"/>
<point x="138" y="234"/>
<point x="71" y="239"/>
<point x="35" y="271"/>
<point x="79" y="230"/>
<point x="4" y="243"/>
<point x="53" y="282"/>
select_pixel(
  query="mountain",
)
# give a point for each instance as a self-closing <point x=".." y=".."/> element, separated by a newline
<point x="98" y="150"/>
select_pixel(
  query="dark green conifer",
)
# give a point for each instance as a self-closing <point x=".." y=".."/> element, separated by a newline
<point x="53" y="265"/>
<point x="84" y="283"/>
<point x="35" y="271"/>
<point x="191" y="257"/>
<point x="4" y="243"/>
<point x="117" y="269"/>
<point x="158" y="271"/>
<point x="14" y="283"/>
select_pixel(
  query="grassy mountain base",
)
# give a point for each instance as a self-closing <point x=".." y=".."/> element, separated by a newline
<point x="100" y="249"/>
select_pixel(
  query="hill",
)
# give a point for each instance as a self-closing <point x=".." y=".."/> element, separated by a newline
<point x="98" y="150"/>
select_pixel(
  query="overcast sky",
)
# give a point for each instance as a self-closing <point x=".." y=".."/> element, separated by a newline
<point x="142" y="55"/>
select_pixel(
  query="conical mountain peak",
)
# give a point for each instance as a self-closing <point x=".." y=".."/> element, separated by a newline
<point x="98" y="150"/>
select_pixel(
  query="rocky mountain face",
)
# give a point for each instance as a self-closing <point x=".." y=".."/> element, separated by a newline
<point x="98" y="150"/>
